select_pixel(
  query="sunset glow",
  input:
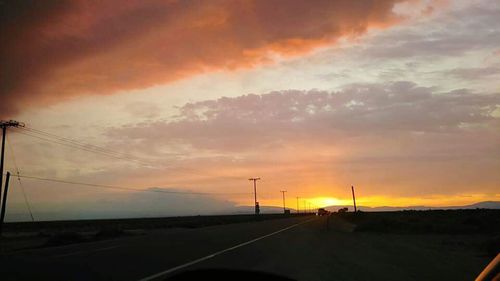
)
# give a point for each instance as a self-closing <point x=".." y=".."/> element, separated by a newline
<point x="399" y="98"/>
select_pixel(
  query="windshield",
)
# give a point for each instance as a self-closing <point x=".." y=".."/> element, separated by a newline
<point x="295" y="140"/>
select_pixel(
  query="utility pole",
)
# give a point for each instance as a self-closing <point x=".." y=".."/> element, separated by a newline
<point x="353" y="197"/>
<point x="4" y="203"/>
<point x="257" y="209"/>
<point x="284" y="206"/>
<point x="297" y="204"/>
<point x="4" y="124"/>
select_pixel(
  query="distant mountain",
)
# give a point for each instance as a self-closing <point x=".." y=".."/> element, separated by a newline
<point x="479" y="205"/>
<point x="279" y="210"/>
<point x="251" y="210"/>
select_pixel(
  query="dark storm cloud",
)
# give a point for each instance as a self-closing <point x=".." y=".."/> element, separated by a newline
<point x="52" y="50"/>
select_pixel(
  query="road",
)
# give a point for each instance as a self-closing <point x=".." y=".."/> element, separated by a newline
<point x="300" y="248"/>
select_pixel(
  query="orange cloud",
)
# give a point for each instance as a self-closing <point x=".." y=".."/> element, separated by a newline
<point x="54" y="50"/>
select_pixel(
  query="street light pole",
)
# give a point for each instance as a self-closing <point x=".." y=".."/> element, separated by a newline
<point x="257" y="209"/>
<point x="284" y="206"/>
<point x="353" y="198"/>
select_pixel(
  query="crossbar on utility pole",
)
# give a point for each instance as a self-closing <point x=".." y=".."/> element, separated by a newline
<point x="284" y="206"/>
<point x="257" y="209"/>
<point x="353" y="197"/>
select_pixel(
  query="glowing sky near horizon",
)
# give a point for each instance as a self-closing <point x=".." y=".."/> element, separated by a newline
<point x="399" y="98"/>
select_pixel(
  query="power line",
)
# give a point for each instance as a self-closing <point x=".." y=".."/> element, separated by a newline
<point x="83" y="144"/>
<point x="75" y="141"/>
<point x="9" y="144"/>
<point x="26" y="201"/>
<point x="48" y="137"/>
<point x="83" y="147"/>
<point x="72" y="143"/>
<point x="129" y="188"/>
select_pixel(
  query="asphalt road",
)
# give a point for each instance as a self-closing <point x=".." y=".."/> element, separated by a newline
<point x="298" y="248"/>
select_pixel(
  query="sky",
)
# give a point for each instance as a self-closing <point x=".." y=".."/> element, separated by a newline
<point x="398" y="98"/>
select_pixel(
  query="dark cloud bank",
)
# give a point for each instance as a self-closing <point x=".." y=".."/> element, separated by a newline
<point x="52" y="50"/>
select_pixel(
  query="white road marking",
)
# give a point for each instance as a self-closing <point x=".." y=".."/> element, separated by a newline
<point x="85" y="252"/>
<point x="165" y="272"/>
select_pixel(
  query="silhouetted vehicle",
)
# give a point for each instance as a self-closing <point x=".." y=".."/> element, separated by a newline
<point x="322" y="212"/>
<point x="343" y="210"/>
